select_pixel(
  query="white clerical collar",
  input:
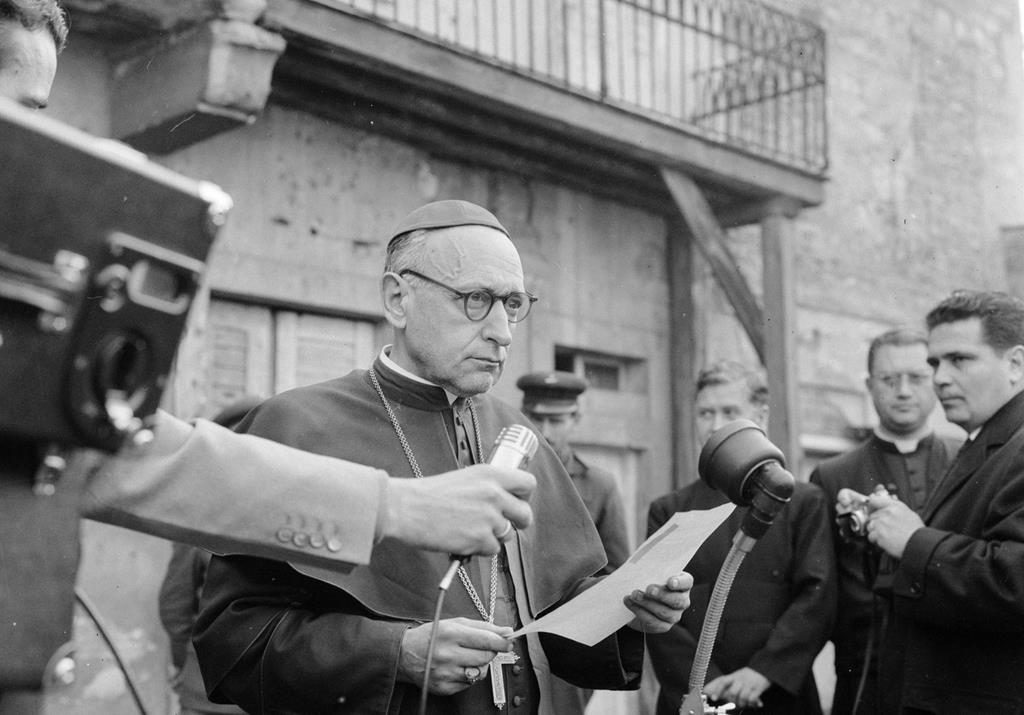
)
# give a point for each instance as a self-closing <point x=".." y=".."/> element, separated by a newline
<point x="905" y="444"/>
<point x="391" y="364"/>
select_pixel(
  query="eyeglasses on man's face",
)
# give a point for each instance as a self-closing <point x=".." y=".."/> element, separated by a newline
<point x="894" y="380"/>
<point x="477" y="303"/>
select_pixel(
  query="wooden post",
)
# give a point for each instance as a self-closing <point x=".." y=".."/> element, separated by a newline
<point x="684" y="349"/>
<point x="780" y="331"/>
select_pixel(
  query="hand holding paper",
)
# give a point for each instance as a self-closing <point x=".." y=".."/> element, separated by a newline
<point x="599" y="611"/>
<point x="660" y="606"/>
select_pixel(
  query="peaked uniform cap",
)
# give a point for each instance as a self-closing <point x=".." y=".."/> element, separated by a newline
<point x="553" y="392"/>
<point x="446" y="214"/>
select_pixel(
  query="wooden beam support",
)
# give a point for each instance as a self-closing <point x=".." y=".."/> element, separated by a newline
<point x="685" y="349"/>
<point x="781" y="332"/>
<point x="711" y="240"/>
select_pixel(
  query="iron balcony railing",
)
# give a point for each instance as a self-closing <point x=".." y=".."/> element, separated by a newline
<point x="733" y="71"/>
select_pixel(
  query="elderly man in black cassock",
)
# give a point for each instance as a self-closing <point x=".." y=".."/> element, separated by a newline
<point x="274" y="639"/>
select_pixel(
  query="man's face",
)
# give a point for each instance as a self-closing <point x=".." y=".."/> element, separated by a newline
<point x="435" y="339"/>
<point x="901" y="387"/>
<point x="972" y="379"/>
<point x="556" y="429"/>
<point x="28" y="63"/>
<point x="718" y="405"/>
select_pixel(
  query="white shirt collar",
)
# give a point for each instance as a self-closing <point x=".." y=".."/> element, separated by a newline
<point x="391" y="364"/>
<point x="905" y="444"/>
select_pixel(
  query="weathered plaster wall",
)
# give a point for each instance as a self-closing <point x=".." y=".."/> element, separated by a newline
<point x="926" y="125"/>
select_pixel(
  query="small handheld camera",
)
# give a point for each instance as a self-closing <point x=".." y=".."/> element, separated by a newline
<point x="854" y="523"/>
<point x="101" y="254"/>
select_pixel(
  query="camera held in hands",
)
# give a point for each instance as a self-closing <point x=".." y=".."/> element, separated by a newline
<point x="854" y="523"/>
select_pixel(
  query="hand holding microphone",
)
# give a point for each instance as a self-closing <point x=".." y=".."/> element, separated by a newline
<point x="463" y="511"/>
<point x="513" y="448"/>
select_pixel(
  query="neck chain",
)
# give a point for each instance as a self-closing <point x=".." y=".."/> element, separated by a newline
<point x="463" y="575"/>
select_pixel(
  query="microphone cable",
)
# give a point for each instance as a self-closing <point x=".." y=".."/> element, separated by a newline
<point x="514" y="446"/>
<point x="442" y="589"/>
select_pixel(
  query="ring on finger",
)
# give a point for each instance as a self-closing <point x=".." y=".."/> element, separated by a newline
<point x="472" y="674"/>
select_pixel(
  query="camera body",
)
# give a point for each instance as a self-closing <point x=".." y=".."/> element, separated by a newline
<point x="854" y="524"/>
<point x="101" y="254"/>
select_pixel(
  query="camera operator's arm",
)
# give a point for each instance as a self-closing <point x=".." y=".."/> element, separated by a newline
<point x="239" y="494"/>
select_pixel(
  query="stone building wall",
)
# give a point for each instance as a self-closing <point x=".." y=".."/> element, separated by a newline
<point x="926" y="140"/>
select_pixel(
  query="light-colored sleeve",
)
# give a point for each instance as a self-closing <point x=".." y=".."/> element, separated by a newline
<point x="229" y="493"/>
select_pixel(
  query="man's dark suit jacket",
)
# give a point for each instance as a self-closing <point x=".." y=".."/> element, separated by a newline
<point x="862" y="469"/>
<point x="780" y="609"/>
<point x="957" y="630"/>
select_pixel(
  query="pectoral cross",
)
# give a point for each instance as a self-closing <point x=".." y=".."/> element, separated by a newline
<point x="498" y="677"/>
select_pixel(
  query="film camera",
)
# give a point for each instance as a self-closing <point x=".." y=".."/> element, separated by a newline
<point x="854" y="523"/>
<point x="101" y="253"/>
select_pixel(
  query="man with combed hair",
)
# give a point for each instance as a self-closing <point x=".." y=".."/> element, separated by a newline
<point x="955" y="642"/>
<point x="905" y="457"/>
<point x="782" y="603"/>
<point x="273" y="639"/>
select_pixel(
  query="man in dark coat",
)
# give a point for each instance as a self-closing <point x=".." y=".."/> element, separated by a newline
<point x="905" y="457"/>
<point x="955" y="643"/>
<point x="273" y="639"/>
<point x="781" y="606"/>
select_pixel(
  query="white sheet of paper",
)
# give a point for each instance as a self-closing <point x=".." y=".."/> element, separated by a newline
<point x="598" y="612"/>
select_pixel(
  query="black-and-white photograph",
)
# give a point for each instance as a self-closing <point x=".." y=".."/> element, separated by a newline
<point x="512" y="357"/>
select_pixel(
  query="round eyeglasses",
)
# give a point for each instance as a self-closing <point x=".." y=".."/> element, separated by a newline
<point x="477" y="303"/>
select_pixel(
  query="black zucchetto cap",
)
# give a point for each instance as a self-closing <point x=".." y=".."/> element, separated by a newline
<point x="446" y="214"/>
<point x="553" y="392"/>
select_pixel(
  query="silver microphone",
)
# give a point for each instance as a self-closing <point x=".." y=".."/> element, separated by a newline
<point x="513" y="448"/>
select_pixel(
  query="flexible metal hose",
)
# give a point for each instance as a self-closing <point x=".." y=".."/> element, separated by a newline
<point x="741" y="545"/>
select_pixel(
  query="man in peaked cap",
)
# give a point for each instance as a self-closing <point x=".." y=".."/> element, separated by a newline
<point x="273" y="638"/>
<point x="551" y="400"/>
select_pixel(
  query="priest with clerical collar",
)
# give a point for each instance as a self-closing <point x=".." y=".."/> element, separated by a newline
<point x="276" y="638"/>
<point x="906" y="458"/>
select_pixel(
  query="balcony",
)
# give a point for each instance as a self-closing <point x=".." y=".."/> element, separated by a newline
<point x="733" y="72"/>
<point x="602" y="94"/>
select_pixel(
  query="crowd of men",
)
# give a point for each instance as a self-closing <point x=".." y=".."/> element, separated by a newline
<point x="907" y="553"/>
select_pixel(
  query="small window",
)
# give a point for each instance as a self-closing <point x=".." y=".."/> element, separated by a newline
<point x="614" y="373"/>
<point x="602" y="375"/>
